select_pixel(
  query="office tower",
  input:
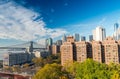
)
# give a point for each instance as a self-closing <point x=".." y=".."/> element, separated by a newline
<point x="59" y="42"/>
<point x="90" y="37"/>
<point x="49" y="42"/>
<point x="99" y="34"/>
<point x="116" y="25"/>
<point x="116" y="31"/>
<point x="77" y="37"/>
<point x="81" y="51"/>
<point x="111" y="51"/>
<point x="83" y="38"/>
<point x="64" y="39"/>
<point x="97" y="51"/>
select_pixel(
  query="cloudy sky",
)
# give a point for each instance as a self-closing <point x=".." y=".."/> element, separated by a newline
<point x="26" y="20"/>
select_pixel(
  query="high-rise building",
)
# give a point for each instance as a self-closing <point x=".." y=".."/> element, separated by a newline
<point x="99" y="34"/>
<point x="90" y="37"/>
<point x="116" y="34"/>
<point x="77" y="37"/>
<point x="116" y="25"/>
<point x="49" y="42"/>
<point x="67" y="51"/>
<point x="107" y="51"/>
<point x="97" y="51"/>
<point x="111" y="51"/>
<point x="82" y="38"/>
<point x="55" y="49"/>
<point x="59" y="42"/>
<point x="81" y="51"/>
<point x="64" y="39"/>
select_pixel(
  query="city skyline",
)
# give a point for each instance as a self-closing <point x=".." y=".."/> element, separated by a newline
<point x="37" y="20"/>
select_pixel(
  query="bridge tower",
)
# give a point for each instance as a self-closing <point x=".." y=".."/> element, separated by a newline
<point x="31" y="46"/>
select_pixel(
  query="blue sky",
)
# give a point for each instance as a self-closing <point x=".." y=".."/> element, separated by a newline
<point x="25" y="20"/>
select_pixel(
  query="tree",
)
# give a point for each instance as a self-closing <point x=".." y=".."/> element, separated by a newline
<point x="89" y="69"/>
<point x="50" y="71"/>
<point x="38" y="62"/>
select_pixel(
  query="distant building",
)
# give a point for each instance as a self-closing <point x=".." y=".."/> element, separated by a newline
<point x="16" y="58"/>
<point x="64" y="39"/>
<point x="55" y="49"/>
<point x="83" y="38"/>
<point x="90" y="37"/>
<point x="41" y="53"/>
<point x="116" y="34"/>
<point x="49" y="42"/>
<point x="59" y="42"/>
<point x="77" y="37"/>
<point x="99" y="34"/>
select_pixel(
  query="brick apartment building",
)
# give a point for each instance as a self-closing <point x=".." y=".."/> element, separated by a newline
<point x="106" y="51"/>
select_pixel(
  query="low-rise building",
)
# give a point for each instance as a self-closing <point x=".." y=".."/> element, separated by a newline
<point x="17" y="58"/>
<point x="41" y="53"/>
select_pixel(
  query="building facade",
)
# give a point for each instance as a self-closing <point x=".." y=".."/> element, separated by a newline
<point x="111" y="50"/>
<point x="99" y="34"/>
<point x="67" y="51"/>
<point x="107" y="51"/>
<point x="49" y="42"/>
<point x="77" y="37"/>
<point x="11" y="59"/>
<point x="90" y="37"/>
<point x="81" y="51"/>
<point x="82" y="38"/>
<point x="55" y="49"/>
<point x="97" y="51"/>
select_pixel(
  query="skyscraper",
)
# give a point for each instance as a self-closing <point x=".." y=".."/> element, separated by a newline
<point x="77" y="37"/>
<point x="90" y="37"/>
<point x="116" y="31"/>
<point x="49" y="42"/>
<point x="82" y="38"/>
<point x="99" y="34"/>
<point x="116" y="25"/>
<point x="64" y="39"/>
<point x="59" y="42"/>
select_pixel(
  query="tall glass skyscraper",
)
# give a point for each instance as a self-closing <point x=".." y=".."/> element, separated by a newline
<point x="116" y="34"/>
<point x="90" y="37"/>
<point x="49" y="42"/>
<point x="82" y="38"/>
<point x="77" y="37"/>
<point x="64" y="39"/>
<point x="116" y="25"/>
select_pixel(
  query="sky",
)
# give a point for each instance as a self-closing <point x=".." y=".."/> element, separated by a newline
<point x="26" y="20"/>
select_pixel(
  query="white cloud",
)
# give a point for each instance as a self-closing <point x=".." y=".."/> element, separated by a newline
<point x="17" y="22"/>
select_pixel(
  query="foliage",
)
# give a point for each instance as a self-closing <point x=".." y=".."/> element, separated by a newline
<point x="88" y="69"/>
<point x="50" y="71"/>
<point x="38" y="61"/>
<point x="49" y="60"/>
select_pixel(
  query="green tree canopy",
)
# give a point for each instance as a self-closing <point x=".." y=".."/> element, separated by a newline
<point x="49" y="71"/>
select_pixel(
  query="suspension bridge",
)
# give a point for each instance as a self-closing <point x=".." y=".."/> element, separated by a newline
<point x="31" y="44"/>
